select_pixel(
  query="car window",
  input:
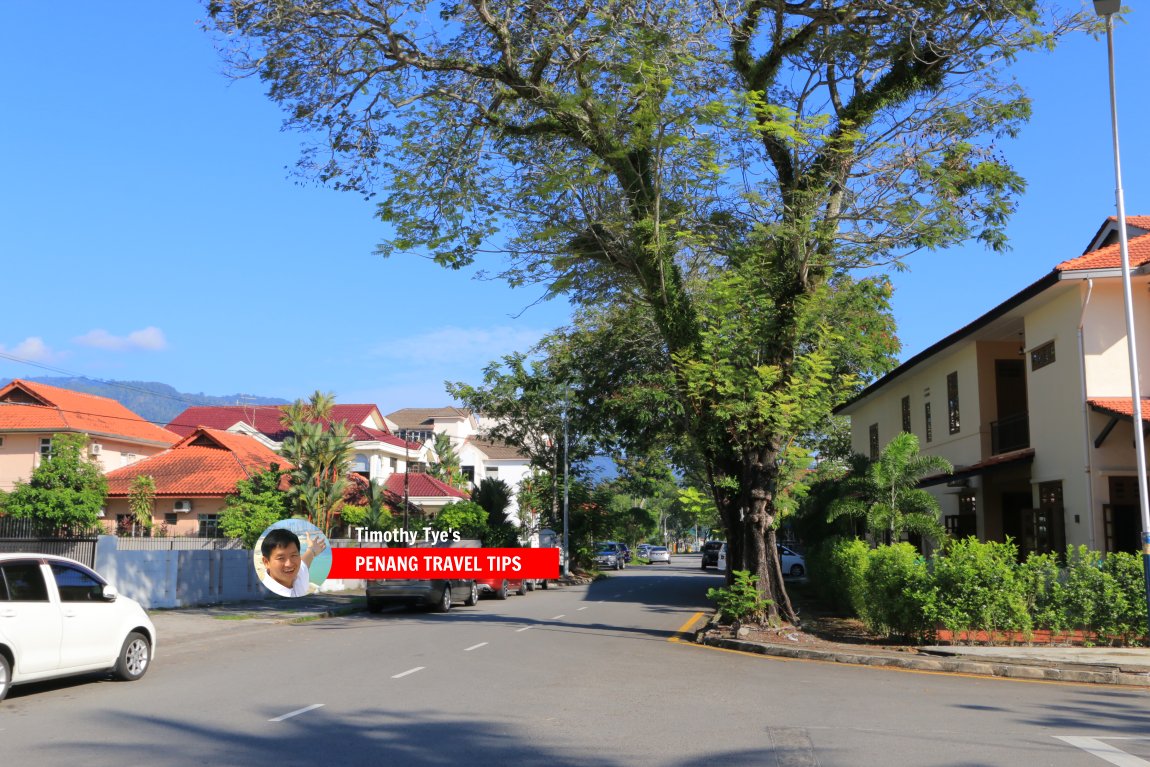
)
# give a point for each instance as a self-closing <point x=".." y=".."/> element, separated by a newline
<point x="76" y="585"/>
<point x="25" y="582"/>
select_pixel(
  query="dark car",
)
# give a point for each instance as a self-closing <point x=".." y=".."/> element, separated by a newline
<point x="711" y="553"/>
<point x="622" y="555"/>
<point x="439" y="595"/>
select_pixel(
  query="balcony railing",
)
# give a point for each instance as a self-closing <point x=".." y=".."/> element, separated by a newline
<point x="1011" y="433"/>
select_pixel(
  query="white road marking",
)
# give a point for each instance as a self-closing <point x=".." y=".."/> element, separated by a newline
<point x="1105" y="751"/>
<point x="522" y="629"/>
<point x="409" y="671"/>
<point x="475" y="647"/>
<point x="557" y="617"/>
<point x="584" y="607"/>
<point x="297" y="712"/>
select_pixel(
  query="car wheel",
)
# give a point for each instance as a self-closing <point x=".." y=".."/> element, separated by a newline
<point x="374" y="605"/>
<point x="544" y="585"/>
<point x="522" y="589"/>
<point x="704" y="565"/>
<point x="473" y="596"/>
<point x="530" y="585"/>
<point x="444" y="600"/>
<point x="797" y="571"/>
<point x="134" y="657"/>
<point x="502" y="593"/>
<point x="5" y="675"/>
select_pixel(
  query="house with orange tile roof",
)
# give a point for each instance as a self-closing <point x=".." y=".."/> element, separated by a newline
<point x="193" y="479"/>
<point x="1032" y="404"/>
<point x="31" y="412"/>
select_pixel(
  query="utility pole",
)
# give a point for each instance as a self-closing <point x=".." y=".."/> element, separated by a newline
<point x="566" y="494"/>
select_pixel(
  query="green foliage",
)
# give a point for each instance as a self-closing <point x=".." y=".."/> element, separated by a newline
<point x="741" y="601"/>
<point x="1038" y="579"/>
<point x="838" y="570"/>
<point x="887" y="495"/>
<point x="142" y="501"/>
<point x="256" y="504"/>
<point x="447" y="469"/>
<point x="320" y="452"/>
<point x="467" y="517"/>
<point x="899" y="597"/>
<point x="978" y="588"/>
<point x="66" y="492"/>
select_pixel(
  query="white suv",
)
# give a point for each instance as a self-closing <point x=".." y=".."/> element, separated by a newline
<point x="59" y="618"/>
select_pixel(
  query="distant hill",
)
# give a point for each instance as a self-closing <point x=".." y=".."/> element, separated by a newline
<point x="153" y="401"/>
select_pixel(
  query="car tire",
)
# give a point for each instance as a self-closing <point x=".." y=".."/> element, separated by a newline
<point x="374" y="605"/>
<point x="797" y="571"/>
<point x="502" y="592"/>
<point x="472" y="596"/>
<point x="134" y="658"/>
<point x="444" y="604"/>
<point x="522" y="589"/>
<point x="704" y="565"/>
<point x="530" y="585"/>
<point x="544" y="585"/>
<point x="5" y="676"/>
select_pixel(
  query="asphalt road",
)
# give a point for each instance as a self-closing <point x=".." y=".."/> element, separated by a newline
<point x="572" y="676"/>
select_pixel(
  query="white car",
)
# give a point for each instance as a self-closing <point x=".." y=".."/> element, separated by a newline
<point x="59" y="618"/>
<point x="659" y="554"/>
<point x="792" y="564"/>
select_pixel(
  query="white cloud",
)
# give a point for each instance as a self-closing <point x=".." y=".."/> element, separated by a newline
<point x="457" y="345"/>
<point x="148" y="339"/>
<point x="32" y="348"/>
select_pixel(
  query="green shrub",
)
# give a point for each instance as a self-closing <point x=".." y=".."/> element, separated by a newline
<point x="741" y="601"/>
<point x="977" y="589"/>
<point x="899" y="593"/>
<point x="846" y="573"/>
<point x="1040" y="578"/>
<point x="1127" y="613"/>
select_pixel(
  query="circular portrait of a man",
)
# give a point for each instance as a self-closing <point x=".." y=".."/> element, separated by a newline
<point x="292" y="558"/>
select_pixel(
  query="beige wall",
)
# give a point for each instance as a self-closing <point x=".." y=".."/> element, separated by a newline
<point x="20" y="455"/>
<point x="186" y="523"/>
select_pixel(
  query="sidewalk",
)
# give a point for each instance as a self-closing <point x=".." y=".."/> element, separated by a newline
<point x="1085" y="665"/>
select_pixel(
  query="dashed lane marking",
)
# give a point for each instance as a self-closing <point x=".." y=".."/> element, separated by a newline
<point x="584" y="607"/>
<point x="409" y="671"/>
<point x="474" y="647"/>
<point x="297" y="712"/>
<point x="557" y="617"/>
<point x="525" y="628"/>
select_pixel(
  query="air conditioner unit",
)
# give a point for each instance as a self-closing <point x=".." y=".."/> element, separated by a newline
<point x="184" y="506"/>
<point x="95" y="448"/>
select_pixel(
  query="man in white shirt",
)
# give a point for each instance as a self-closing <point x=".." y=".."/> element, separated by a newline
<point x="287" y="570"/>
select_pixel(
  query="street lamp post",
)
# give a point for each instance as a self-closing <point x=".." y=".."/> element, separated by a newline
<point x="566" y="495"/>
<point x="1107" y="9"/>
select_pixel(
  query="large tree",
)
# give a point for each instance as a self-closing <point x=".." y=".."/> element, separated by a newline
<point x="720" y="168"/>
<point x="320" y="452"/>
<point x="66" y="493"/>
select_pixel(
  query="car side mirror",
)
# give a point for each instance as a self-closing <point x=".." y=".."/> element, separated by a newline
<point x="110" y="593"/>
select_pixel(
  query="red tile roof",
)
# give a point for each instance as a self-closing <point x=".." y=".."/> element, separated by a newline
<point x="1120" y="406"/>
<point x="1110" y="257"/>
<point x="421" y="485"/>
<point x="31" y="406"/>
<point x="208" y="462"/>
<point x="266" y="420"/>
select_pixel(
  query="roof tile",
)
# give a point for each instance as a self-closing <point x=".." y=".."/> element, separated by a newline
<point x="31" y="405"/>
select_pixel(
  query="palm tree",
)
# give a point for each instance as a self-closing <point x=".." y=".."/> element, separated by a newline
<point x="448" y="469"/>
<point x="494" y="495"/>
<point x="320" y="451"/>
<point x="886" y="494"/>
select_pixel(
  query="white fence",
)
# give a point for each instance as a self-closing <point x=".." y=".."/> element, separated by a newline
<point x="186" y="575"/>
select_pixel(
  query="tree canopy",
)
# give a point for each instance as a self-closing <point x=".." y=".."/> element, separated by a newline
<point x="718" y="172"/>
<point x="66" y="492"/>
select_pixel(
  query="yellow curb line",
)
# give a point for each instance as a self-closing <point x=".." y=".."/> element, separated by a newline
<point x="686" y="627"/>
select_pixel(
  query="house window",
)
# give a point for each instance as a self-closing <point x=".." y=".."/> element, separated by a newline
<point x="469" y="472"/>
<point x="1049" y="525"/>
<point x="171" y="519"/>
<point x="394" y="464"/>
<point x="967" y="502"/>
<point x="45" y="448"/>
<point x="492" y="472"/>
<point x="209" y="525"/>
<point x="929" y="425"/>
<point x="952" y="402"/>
<point x="874" y="441"/>
<point x="1" y="442"/>
<point x="1042" y="356"/>
<point x="906" y="414"/>
<point x="127" y="458"/>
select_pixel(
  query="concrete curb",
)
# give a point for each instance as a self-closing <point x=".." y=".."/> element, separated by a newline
<point x="986" y="667"/>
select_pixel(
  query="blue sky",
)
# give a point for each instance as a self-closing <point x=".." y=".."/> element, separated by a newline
<point x="149" y="229"/>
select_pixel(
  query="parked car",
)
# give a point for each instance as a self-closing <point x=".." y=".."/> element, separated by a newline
<point x="59" y="618"/>
<point x="609" y="558"/>
<point x="711" y="553"/>
<point x="501" y="587"/>
<point x="439" y="595"/>
<point x="619" y="550"/>
<point x="792" y="563"/>
<point x="659" y="554"/>
<point x="643" y="549"/>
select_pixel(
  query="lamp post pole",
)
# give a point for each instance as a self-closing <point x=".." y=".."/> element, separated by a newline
<point x="1107" y="9"/>
<point x="566" y="495"/>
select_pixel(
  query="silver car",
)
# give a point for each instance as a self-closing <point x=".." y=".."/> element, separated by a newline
<point x="659" y="554"/>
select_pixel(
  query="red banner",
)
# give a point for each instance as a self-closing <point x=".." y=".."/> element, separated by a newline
<point x="445" y="563"/>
